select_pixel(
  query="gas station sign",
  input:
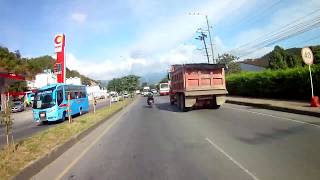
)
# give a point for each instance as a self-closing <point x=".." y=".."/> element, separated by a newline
<point x="60" y="65"/>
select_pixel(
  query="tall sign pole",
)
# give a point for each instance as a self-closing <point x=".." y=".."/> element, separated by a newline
<point x="60" y="65"/>
<point x="307" y="57"/>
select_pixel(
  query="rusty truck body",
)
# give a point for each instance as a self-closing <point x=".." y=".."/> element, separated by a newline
<point x="197" y="85"/>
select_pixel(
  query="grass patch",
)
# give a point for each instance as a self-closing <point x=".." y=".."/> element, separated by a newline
<point x="14" y="159"/>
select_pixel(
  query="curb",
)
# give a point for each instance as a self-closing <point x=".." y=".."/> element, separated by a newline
<point x="37" y="165"/>
<point x="276" y="108"/>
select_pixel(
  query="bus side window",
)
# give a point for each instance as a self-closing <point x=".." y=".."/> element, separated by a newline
<point x="66" y="95"/>
<point x="59" y="97"/>
<point x="73" y="96"/>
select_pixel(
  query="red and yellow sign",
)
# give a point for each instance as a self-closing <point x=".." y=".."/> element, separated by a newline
<point x="59" y="67"/>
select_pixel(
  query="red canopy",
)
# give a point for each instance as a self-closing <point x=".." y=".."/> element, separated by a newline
<point x="12" y="76"/>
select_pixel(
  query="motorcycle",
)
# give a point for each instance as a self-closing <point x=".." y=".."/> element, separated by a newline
<point x="150" y="101"/>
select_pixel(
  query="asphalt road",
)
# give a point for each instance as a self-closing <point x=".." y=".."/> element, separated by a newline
<point x="233" y="142"/>
<point x="24" y="127"/>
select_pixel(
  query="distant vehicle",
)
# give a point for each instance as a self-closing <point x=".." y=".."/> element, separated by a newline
<point x="150" y="101"/>
<point x="125" y="95"/>
<point x="114" y="96"/>
<point x="154" y="91"/>
<point x="164" y="89"/>
<point x="17" y="106"/>
<point x="197" y="85"/>
<point x="137" y="91"/>
<point x="146" y="90"/>
<point x="50" y="102"/>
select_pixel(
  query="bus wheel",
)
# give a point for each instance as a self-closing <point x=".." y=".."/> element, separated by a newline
<point x="39" y="123"/>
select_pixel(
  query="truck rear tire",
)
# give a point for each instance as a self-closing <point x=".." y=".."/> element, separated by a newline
<point x="171" y="101"/>
<point x="178" y="101"/>
<point x="214" y="105"/>
<point x="183" y="107"/>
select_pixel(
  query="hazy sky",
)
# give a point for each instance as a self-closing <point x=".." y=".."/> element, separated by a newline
<point x="106" y="39"/>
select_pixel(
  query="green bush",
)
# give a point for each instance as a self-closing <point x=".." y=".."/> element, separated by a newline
<point x="291" y="83"/>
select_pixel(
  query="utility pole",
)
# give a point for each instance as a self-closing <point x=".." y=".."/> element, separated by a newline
<point x="202" y="38"/>
<point x="208" y="29"/>
<point x="208" y="26"/>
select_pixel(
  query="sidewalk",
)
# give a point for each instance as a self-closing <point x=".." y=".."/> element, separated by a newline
<point x="298" y="107"/>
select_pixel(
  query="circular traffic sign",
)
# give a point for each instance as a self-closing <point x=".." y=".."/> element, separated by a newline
<point x="307" y="55"/>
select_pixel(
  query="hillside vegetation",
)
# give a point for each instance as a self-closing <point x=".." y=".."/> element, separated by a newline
<point x="283" y="54"/>
<point x="287" y="77"/>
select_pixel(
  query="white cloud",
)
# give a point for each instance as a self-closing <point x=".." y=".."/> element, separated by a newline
<point x="109" y="69"/>
<point x="166" y="33"/>
<point x="79" y="17"/>
<point x="161" y="43"/>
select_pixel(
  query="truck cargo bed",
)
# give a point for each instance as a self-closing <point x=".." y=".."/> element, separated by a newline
<point x="193" y="84"/>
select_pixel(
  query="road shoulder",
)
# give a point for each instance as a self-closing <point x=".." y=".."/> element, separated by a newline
<point x="278" y="105"/>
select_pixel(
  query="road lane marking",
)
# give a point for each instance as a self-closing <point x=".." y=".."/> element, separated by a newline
<point x="67" y="169"/>
<point x="278" y="117"/>
<point x="233" y="160"/>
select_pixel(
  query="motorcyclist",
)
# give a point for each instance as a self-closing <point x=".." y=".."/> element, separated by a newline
<point x="150" y="97"/>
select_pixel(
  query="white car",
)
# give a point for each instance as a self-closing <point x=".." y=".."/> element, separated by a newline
<point x="114" y="99"/>
<point x="126" y="95"/>
<point x="114" y="96"/>
<point x="154" y="91"/>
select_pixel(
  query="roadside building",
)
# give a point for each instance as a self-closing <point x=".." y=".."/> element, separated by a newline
<point x="42" y="79"/>
<point x="97" y="92"/>
<point x="74" y="80"/>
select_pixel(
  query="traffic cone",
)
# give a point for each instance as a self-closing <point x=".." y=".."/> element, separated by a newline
<point x="315" y="101"/>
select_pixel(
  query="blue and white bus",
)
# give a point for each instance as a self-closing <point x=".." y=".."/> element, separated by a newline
<point x="50" y="102"/>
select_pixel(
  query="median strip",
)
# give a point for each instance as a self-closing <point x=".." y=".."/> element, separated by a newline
<point x="23" y="160"/>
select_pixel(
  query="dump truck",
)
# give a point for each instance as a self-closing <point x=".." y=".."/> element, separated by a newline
<point x="197" y="85"/>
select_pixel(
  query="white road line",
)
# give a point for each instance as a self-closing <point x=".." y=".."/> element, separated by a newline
<point x="67" y="169"/>
<point x="278" y="117"/>
<point x="233" y="160"/>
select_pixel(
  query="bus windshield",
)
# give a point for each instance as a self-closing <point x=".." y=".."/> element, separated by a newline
<point x="164" y="86"/>
<point x="43" y="99"/>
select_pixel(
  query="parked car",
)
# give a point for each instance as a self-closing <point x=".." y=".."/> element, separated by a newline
<point x="114" y="97"/>
<point x="17" y="106"/>
<point x="125" y="95"/>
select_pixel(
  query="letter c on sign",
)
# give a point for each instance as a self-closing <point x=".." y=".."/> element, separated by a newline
<point x="58" y="39"/>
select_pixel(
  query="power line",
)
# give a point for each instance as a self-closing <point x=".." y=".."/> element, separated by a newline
<point x="287" y="31"/>
<point x="261" y="13"/>
<point x="282" y="28"/>
<point x="269" y="42"/>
